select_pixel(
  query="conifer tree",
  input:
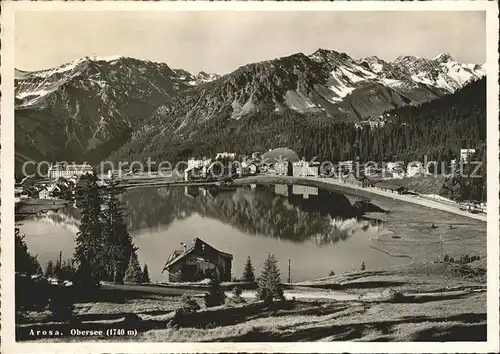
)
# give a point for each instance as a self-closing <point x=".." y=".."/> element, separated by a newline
<point x="119" y="244"/>
<point x="133" y="274"/>
<point x="145" y="274"/>
<point x="248" y="272"/>
<point x="58" y="269"/>
<point x="363" y="266"/>
<point x="215" y="295"/>
<point x="49" y="270"/>
<point x="24" y="262"/>
<point x="269" y="282"/>
<point x="90" y="251"/>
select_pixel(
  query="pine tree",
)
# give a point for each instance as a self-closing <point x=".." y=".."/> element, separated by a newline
<point x="145" y="274"/>
<point x="49" y="270"/>
<point x="133" y="274"/>
<point x="58" y="269"/>
<point x="248" y="273"/>
<point x="67" y="270"/>
<point x="25" y="263"/>
<point x="90" y="251"/>
<point x="215" y="295"/>
<point x="119" y="245"/>
<point x="269" y="282"/>
<point x="363" y="266"/>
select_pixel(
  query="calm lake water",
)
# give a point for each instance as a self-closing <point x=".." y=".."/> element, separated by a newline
<point x="317" y="230"/>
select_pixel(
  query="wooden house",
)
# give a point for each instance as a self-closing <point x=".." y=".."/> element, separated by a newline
<point x="198" y="261"/>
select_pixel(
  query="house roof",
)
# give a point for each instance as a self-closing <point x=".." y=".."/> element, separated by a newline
<point x="196" y="246"/>
<point x="389" y="185"/>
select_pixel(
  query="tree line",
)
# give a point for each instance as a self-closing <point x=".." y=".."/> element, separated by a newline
<point x="437" y="129"/>
<point x="104" y="248"/>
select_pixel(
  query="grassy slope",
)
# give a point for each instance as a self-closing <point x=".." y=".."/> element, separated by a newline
<point x="424" y="319"/>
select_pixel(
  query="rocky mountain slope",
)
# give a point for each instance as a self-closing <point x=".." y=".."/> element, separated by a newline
<point x="88" y="108"/>
<point x="326" y="83"/>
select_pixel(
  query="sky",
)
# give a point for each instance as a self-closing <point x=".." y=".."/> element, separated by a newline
<point x="220" y="42"/>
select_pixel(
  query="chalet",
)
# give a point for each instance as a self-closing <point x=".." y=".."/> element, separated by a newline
<point x="197" y="261"/>
<point x="198" y="169"/>
<point x="192" y="173"/>
<point x="44" y="193"/>
<point x="392" y="187"/>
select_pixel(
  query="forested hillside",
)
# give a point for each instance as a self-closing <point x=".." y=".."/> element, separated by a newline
<point x="437" y="129"/>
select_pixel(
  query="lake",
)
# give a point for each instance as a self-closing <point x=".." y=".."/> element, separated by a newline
<point x="318" y="231"/>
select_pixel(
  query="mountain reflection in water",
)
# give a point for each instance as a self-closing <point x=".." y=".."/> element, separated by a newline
<point x="294" y="213"/>
<point x="317" y="230"/>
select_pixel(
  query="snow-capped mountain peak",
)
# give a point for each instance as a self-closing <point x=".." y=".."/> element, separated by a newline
<point x="443" y="58"/>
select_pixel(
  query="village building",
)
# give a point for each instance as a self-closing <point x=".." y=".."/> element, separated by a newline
<point x="256" y="155"/>
<point x="225" y="155"/>
<point x="305" y="169"/>
<point x="17" y="194"/>
<point x="283" y="168"/>
<point x="465" y="154"/>
<point x="69" y="170"/>
<point x="392" y="187"/>
<point x="346" y="165"/>
<point x="197" y="169"/>
<point x="43" y="193"/>
<point x="414" y="169"/>
<point x="198" y="261"/>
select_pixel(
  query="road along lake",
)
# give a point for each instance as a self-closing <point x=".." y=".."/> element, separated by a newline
<point x="317" y="230"/>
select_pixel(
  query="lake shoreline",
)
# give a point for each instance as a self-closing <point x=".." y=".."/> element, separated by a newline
<point x="339" y="186"/>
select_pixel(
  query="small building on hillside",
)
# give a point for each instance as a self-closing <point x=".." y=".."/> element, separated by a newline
<point x="197" y="169"/>
<point x="44" y="193"/>
<point x="414" y="169"/>
<point x="198" y="261"/>
<point x="192" y="173"/>
<point x="392" y="187"/>
<point x="346" y="165"/>
<point x="466" y="154"/>
<point x="225" y="155"/>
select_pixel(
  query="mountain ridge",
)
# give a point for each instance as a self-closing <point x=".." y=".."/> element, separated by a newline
<point x="72" y="110"/>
